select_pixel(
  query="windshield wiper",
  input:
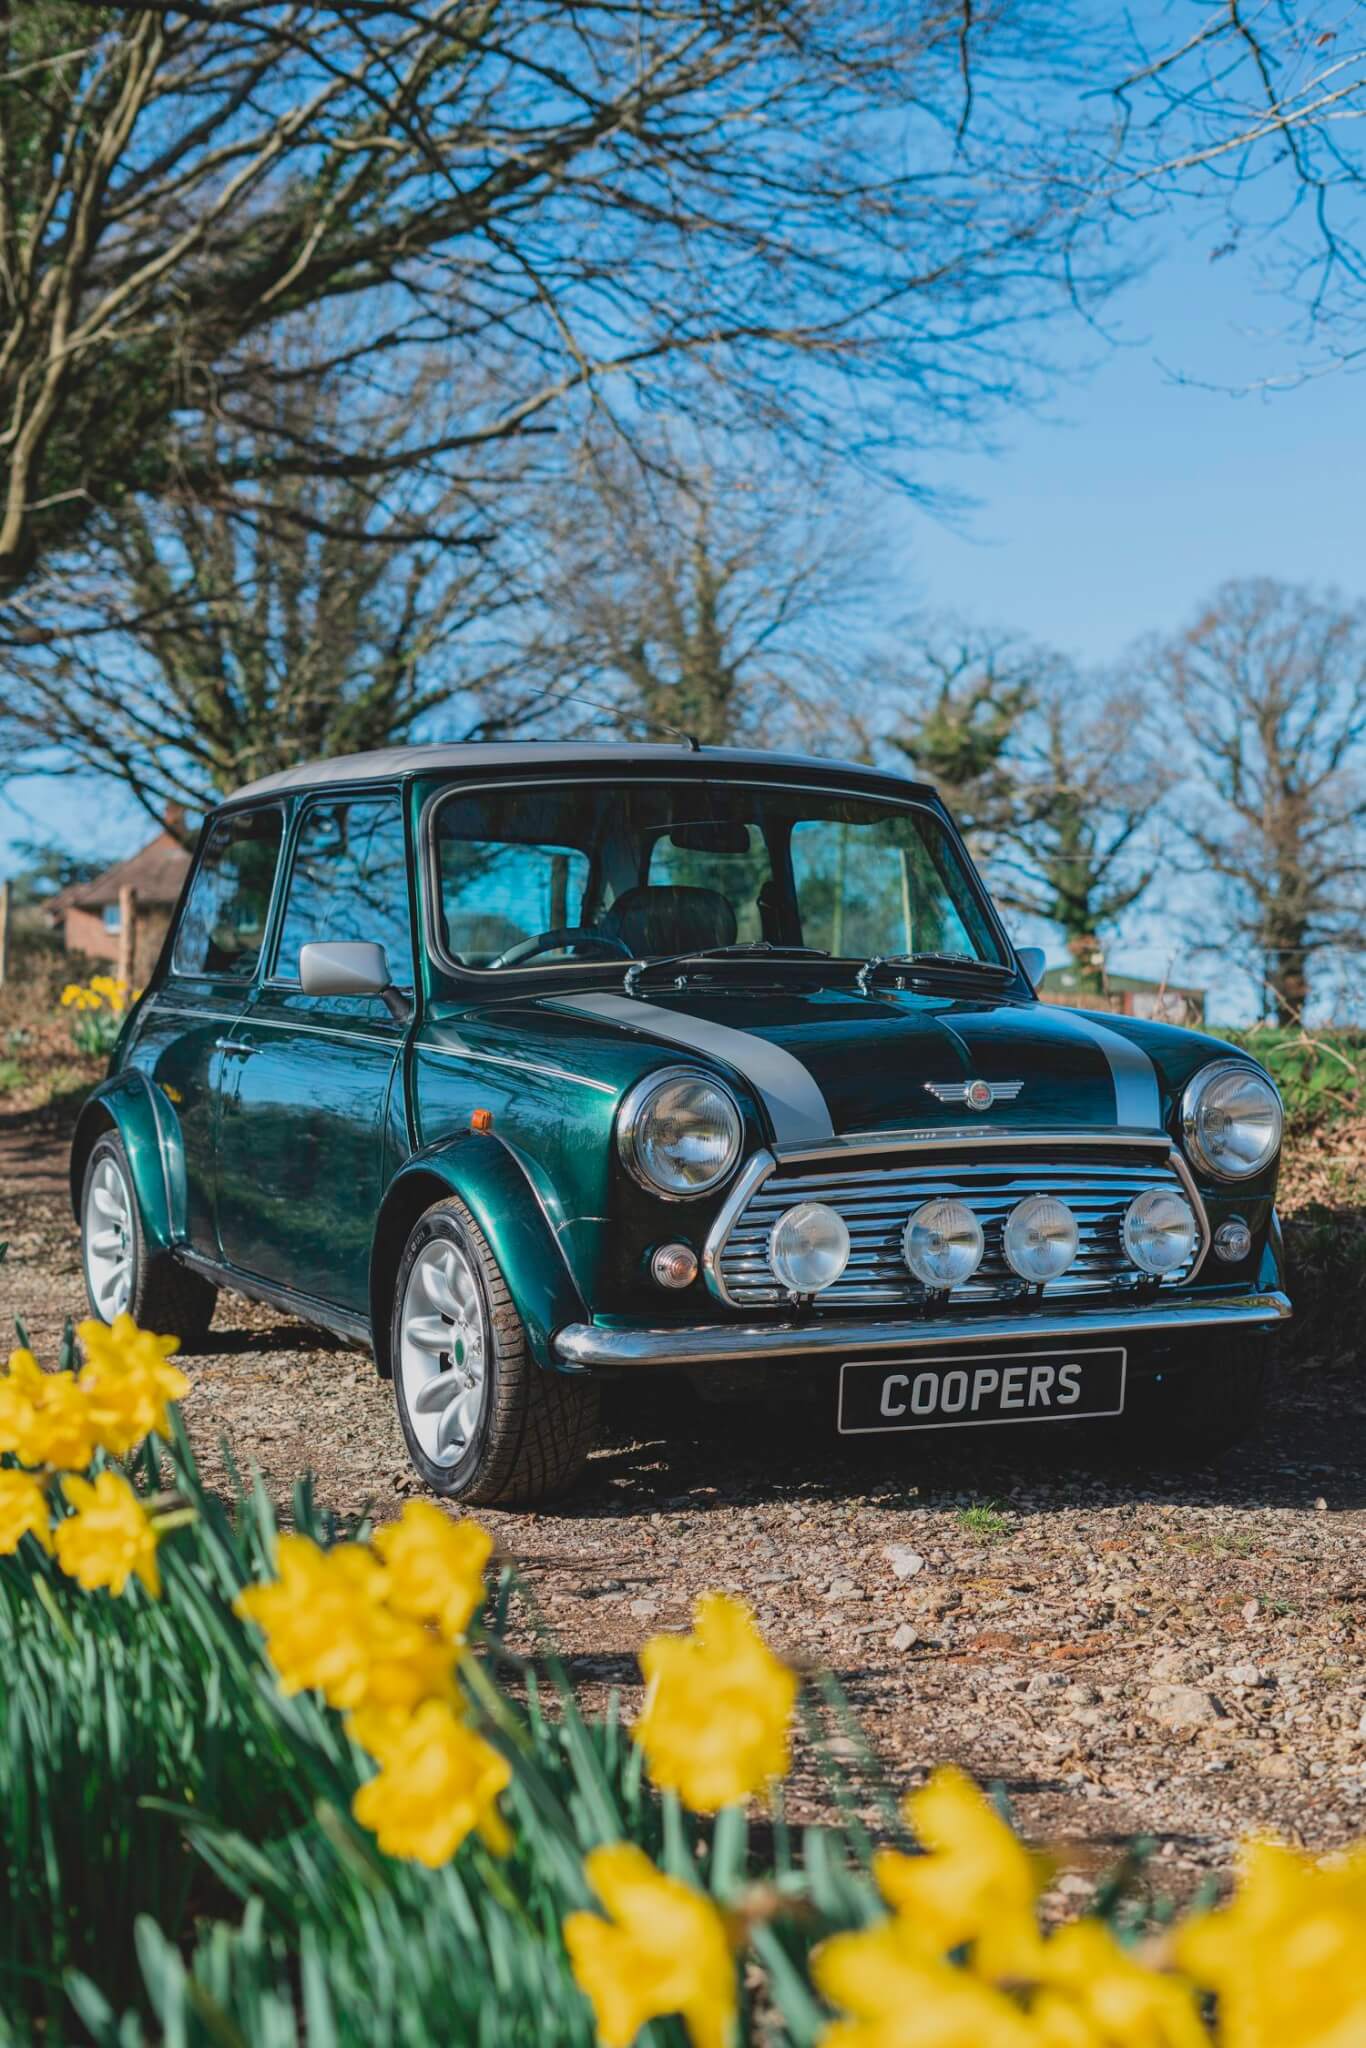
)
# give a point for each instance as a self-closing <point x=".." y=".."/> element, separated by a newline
<point x="761" y="949"/>
<point x="957" y="963"/>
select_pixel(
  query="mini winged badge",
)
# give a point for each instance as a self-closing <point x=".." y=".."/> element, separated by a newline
<point x="976" y="1094"/>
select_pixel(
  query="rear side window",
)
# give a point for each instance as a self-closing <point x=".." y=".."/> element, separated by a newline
<point x="223" y="925"/>
<point x="349" y="880"/>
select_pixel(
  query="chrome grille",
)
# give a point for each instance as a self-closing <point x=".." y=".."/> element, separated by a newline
<point x="876" y="1201"/>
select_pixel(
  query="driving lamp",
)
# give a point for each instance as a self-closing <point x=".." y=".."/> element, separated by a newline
<point x="808" y="1247"/>
<point x="1231" y="1116"/>
<point x="942" y="1243"/>
<point x="1159" y="1231"/>
<point x="679" y="1133"/>
<point x="1040" y="1238"/>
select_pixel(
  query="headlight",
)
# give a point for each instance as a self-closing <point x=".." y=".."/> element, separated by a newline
<point x="1231" y="1115"/>
<point x="1040" y="1238"/>
<point x="808" y="1247"/>
<point x="1159" y="1231"/>
<point x="942" y="1243"/>
<point x="679" y="1132"/>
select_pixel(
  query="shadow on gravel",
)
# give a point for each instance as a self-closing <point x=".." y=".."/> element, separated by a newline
<point x="284" y="1336"/>
<point x="664" y="1449"/>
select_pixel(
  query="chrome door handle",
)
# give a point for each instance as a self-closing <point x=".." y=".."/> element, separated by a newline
<point x="235" y="1048"/>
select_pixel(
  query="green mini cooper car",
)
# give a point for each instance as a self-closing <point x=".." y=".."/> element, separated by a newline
<point x="530" y="1066"/>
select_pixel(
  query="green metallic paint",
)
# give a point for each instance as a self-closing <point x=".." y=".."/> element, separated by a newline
<point x="145" y="1121"/>
<point x="312" y="1158"/>
<point x="302" y="1155"/>
<point x="494" y="1184"/>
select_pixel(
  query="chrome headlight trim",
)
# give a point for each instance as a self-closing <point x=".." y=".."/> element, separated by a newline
<point x="635" y="1110"/>
<point x="1192" y="1105"/>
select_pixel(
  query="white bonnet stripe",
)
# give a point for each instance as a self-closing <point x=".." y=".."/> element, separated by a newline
<point x="796" y="1107"/>
<point x="1138" y="1100"/>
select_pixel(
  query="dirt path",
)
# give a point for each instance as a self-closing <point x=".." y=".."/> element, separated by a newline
<point x="1128" y="1653"/>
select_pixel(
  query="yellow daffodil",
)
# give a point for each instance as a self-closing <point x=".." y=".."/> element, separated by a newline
<point x="1096" y="1995"/>
<point x="110" y="1536"/>
<point x="435" y="1567"/>
<point x="44" y="1418"/>
<point x="663" y="1950"/>
<point x="326" y="1627"/>
<point x="127" y="1382"/>
<point x="23" y="1511"/>
<point x="718" y="1706"/>
<point x="438" y="1782"/>
<point x="976" y="1885"/>
<point x="316" y="1617"/>
<point x="895" y="1993"/>
<point x="1287" y="1956"/>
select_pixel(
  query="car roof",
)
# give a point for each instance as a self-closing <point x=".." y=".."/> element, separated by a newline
<point x="473" y="757"/>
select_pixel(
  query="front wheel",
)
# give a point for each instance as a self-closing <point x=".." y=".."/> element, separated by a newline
<point x="122" y="1275"/>
<point x="482" y="1421"/>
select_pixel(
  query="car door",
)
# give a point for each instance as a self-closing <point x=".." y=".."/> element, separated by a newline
<point x="313" y="1123"/>
<point x="187" y="1031"/>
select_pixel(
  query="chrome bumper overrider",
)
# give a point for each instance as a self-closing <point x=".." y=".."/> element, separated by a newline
<point x="582" y="1346"/>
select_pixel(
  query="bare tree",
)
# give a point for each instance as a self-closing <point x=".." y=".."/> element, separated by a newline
<point x="207" y="636"/>
<point x="713" y="600"/>
<point x="580" y="206"/>
<point x="958" y="696"/>
<point x="1258" y="109"/>
<point x="1269" y="684"/>
<point x="1086" y="781"/>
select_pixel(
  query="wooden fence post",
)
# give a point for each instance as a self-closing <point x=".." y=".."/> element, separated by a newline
<point x="4" y="932"/>
<point x="128" y="933"/>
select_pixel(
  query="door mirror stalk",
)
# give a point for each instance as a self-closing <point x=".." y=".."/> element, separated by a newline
<point x="352" y="967"/>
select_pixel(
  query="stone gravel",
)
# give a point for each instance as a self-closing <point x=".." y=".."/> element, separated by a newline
<point x="1128" y="1651"/>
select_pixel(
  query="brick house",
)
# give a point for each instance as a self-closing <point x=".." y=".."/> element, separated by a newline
<point x="88" y="914"/>
<point x="1128" y="995"/>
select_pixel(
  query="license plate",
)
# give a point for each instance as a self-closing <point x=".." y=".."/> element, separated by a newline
<point x="986" y="1387"/>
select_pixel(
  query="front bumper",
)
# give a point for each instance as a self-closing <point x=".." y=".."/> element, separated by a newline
<point x="586" y="1347"/>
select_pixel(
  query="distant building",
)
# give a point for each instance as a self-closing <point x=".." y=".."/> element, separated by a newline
<point x="1127" y="995"/>
<point x="88" y="917"/>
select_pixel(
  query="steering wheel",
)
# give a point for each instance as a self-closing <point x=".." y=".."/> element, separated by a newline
<point x="571" y="935"/>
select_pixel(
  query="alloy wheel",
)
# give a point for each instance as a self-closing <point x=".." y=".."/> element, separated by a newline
<point x="443" y="1350"/>
<point x="109" y="1244"/>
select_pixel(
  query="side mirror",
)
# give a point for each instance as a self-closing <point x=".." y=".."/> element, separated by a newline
<point x="1034" y="961"/>
<point x="350" y="967"/>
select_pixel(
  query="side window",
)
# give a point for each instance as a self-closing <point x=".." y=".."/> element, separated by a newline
<point x="224" y="920"/>
<point x="349" y="880"/>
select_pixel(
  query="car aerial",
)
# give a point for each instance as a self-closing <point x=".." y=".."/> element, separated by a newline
<point x="529" y="1066"/>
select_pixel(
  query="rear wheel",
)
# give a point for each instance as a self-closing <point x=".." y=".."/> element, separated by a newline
<point x="122" y="1275"/>
<point x="482" y="1421"/>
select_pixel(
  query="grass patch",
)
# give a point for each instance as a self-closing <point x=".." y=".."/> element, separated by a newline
<point x="984" y="1521"/>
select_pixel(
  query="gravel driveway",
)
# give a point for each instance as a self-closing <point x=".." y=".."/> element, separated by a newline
<point x="1177" y="1655"/>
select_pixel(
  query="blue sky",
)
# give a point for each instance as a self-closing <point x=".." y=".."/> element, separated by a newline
<point x="1116" y="509"/>
<point x="1109" y="513"/>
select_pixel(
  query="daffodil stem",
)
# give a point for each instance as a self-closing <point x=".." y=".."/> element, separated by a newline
<point x="729" y="1851"/>
<point x="492" y="1701"/>
<point x="55" y="1615"/>
<point x="176" y="1518"/>
<point x="677" y="1858"/>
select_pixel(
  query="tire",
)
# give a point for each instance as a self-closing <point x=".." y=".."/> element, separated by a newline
<point x="1200" y="1411"/>
<point x="527" y="1435"/>
<point x="156" y="1290"/>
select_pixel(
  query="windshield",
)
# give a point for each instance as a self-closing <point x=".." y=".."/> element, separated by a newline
<point x="541" y="875"/>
